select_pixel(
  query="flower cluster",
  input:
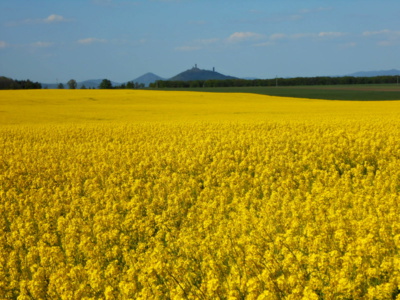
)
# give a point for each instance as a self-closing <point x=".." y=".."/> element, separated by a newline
<point x="299" y="209"/>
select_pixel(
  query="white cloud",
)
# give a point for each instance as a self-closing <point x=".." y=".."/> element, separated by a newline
<point x="198" y="44"/>
<point x="331" y="34"/>
<point x="54" y="19"/>
<point x="243" y="36"/>
<point x="348" y="45"/>
<point x="384" y="32"/>
<point x="299" y="15"/>
<point x="302" y="35"/>
<point x="42" y="44"/>
<point x="50" y="19"/>
<point x="379" y="32"/>
<point x="3" y="44"/>
<point x="387" y="37"/>
<point x="277" y="36"/>
<point x="91" y="40"/>
<point x="386" y="43"/>
<point x="258" y="39"/>
<point x="263" y="16"/>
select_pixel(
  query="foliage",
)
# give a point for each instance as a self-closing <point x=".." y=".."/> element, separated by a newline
<point x="72" y="84"/>
<point x="299" y="206"/>
<point x="321" y="80"/>
<point x="131" y="85"/>
<point x="60" y="86"/>
<point x="10" y="84"/>
<point x="105" y="84"/>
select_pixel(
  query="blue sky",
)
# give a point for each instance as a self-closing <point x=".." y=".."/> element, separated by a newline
<point x="120" y="40"/>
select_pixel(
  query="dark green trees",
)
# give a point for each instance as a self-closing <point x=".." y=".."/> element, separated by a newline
<point x="72" y="84"/>
<point x="10" y="84"/>
<point x="105" y="84"/>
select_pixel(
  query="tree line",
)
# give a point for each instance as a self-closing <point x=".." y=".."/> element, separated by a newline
<point x="11" y="84"/>
<point x="324" y="80"/>
<point x="105" y="84"/>
<point x="8" y="83"/>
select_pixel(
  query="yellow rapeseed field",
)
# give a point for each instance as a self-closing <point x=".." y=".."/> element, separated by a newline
<point x="179" y="195"/>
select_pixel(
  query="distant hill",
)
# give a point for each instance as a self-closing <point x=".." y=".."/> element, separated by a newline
<point x="392" y="72"/>
<point x="148" y="78"/>
<point x="199" y="74"/>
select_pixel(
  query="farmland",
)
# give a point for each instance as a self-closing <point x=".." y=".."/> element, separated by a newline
<point x="355" y="92"/>
<point x="135" y="106"/>
<point x="197" y="195"/>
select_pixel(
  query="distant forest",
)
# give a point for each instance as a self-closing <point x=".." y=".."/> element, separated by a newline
<point x="297" y="81"/>
<point x="11" y="84"/>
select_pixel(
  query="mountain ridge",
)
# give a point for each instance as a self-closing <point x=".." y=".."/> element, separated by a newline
<point x="148" y="78"/>
<point x="392" y="72"/>
<point x="199" y="74"/>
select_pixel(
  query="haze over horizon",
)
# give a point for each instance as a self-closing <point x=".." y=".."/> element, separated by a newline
<point x="49" y="41"/>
